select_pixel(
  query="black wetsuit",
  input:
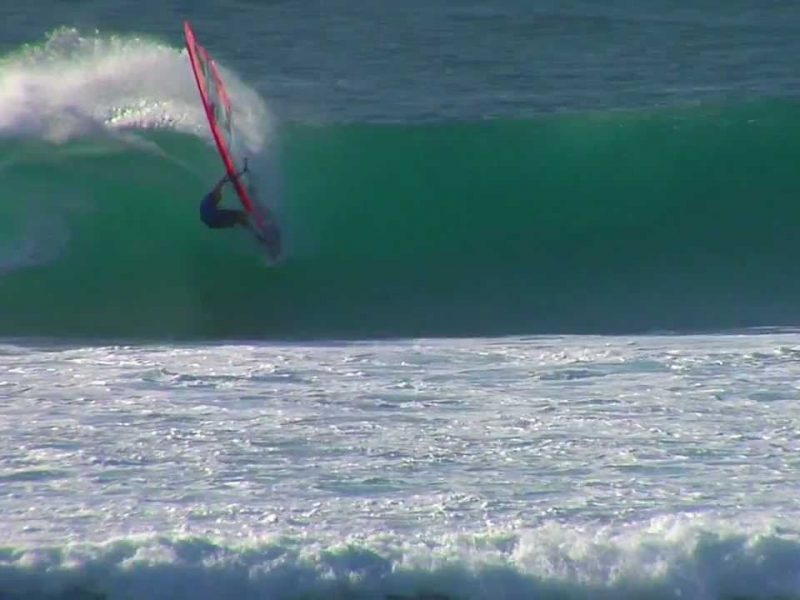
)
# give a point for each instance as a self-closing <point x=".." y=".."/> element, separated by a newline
<point x="215" y="217"/>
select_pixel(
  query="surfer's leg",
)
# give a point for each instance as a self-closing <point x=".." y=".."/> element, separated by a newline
<point x="225" y="218"/>
<point x="248" y="224"/>
<point x="244" y="220"/>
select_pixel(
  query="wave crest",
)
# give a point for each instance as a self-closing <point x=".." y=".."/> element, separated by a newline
<point x="74" y="85"/>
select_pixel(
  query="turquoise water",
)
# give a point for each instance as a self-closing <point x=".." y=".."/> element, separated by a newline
<point x="590" y="220"/>
<point x="666" y="219"/>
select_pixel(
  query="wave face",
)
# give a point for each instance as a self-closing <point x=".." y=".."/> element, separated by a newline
<point x="669" y="219"/>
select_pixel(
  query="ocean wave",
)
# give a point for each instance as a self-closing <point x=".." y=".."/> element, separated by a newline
<point x="669" y="557"/>
<point x="76" y="85"/>
<point x="660" y="220"/>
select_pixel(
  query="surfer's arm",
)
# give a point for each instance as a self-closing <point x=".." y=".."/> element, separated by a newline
<point x="231" y="178"/>
<point x="214" y="195"/>
<point x="216" y="191"/>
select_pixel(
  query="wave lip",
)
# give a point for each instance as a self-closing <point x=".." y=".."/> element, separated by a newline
<point x="75" y="85"/>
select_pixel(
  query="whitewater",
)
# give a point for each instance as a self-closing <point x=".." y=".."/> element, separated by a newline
<point x="577" y="467"/>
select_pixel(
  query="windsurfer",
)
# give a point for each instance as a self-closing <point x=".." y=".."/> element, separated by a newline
<point x="219" y="218"/>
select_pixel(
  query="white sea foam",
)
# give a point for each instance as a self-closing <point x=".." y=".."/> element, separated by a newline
<point x="669" y="557"/>
<point x="76" y="85"/>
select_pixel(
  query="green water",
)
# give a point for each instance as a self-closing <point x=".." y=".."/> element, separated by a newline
<point x="599" y="222"/>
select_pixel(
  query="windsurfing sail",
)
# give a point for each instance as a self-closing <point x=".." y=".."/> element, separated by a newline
<point x="220" y="114"/>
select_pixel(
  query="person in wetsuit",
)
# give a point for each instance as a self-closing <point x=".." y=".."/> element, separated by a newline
<point x="220" y="218"/>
